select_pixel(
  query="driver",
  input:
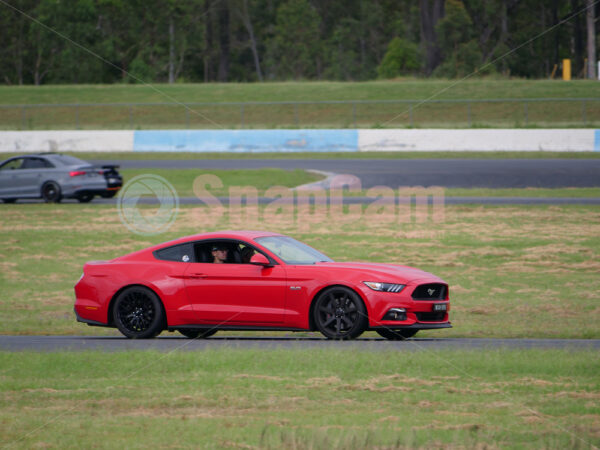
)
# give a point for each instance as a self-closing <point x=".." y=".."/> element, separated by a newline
<point x="219" y="254"/>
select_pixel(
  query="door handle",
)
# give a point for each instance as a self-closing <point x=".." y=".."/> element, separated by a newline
<point x="196" y="275"/>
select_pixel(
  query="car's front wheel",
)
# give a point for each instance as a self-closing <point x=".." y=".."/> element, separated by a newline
<point x="51" y="192"/>
<point x="396" y="335"/>
<point x="339" y="313"/>
<point x="9" y="200"/>
<point x="138" y="313"/>
<point x="195" y="333"/>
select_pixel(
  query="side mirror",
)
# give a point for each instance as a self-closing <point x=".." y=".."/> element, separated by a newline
<point x="260" y="260"/>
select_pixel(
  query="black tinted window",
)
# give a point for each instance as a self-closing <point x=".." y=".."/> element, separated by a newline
<point x="182" y="253"/>
<point x="36" y="163"/>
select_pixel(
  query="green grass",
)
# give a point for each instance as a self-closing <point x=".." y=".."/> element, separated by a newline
<point x="425" y="112"/>
<point x="304" y="399"/>
<point x="402" y="89"/>
<point x="514" y="271"/>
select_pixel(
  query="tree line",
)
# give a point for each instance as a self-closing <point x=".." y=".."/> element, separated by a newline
<point x="108" y="41"/>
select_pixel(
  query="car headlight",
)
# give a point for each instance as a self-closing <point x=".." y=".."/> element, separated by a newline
<point x="384" y="287"/>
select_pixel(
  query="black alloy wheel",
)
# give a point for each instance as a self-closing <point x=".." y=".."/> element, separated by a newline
<point x="396" y="335"/>
<point x="51" y="192"/>
<point x="138" y="313"/>
<point x="340" y="313"/>
<point x="85" y="198"/>
<point x="195" y="333"/>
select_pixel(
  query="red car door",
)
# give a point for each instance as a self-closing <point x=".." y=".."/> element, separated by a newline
<point x="230" y="294"/>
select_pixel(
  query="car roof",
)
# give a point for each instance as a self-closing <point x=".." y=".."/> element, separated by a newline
<point x="247" y="235"/>
<point x="228" y="234"/>
<point x="53" y="156"/>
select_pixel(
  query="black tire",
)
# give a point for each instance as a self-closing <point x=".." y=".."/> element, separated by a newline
<point x="51" y="192"/>
<point x="396" y="335"/>
<point x="138" y="313"/>
<point x="339" y="313"/>
<point x="195" y="333"/>
<point x="85" y="198"/>
<point x="9" y="200"/>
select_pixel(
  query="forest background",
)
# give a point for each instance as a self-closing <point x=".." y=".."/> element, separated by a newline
<point x="261" y="40"/>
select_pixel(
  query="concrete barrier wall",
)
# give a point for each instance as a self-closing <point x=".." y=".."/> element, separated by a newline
<point x="66" y="141"/>
<point x="246" y="141"/>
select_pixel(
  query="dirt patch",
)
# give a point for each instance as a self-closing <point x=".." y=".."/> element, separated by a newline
<point x="260" y="377"/>
<point x="326" y="381"/>
<point x="576" y="394"/>
<point x="9" y="272"/>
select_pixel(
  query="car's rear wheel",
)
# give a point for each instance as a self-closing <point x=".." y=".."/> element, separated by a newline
<point x="396" y="335"/>
<point x="85" y="198"/>
<point x="339" y="313"/>
<point x="51" y="192"/>
<point x="138" y="313"/>
<point x="194" y="333"/>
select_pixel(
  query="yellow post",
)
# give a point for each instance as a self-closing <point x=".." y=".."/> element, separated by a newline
<point x="566" y="69"/>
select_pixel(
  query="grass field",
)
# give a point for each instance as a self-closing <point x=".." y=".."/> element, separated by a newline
<point x="421" y="113"/>
<point x="301" y="399"/>
<point x="513" y="270"/>
<point x="402" y="89"/>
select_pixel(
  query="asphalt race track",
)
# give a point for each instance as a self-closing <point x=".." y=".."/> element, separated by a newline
<point x="175" y="342"/>
<point x="450" y="173"/>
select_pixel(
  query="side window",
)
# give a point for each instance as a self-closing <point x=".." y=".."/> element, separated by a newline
<point x="12" y="164"/>
<point x="35" y="163"/>
<point x="181" y="253"/>
<point x="236" y="252"/>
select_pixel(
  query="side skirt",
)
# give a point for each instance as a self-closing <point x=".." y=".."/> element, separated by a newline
<point x="233" y="328"/>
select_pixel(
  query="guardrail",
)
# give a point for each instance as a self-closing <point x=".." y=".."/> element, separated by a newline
<point x="461" y="113"/>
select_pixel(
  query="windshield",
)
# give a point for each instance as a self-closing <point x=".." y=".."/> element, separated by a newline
<point x="291" y="251"/>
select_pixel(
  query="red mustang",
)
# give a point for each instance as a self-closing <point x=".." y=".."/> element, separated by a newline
<point x="249" y="280"/>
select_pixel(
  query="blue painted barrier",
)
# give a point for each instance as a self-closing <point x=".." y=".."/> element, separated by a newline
<point x="245" y="141"/>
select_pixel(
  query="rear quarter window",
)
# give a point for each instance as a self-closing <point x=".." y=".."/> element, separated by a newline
<point x="181" y="253"/>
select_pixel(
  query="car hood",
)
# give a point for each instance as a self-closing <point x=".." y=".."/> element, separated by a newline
<point x="384" y="272"/>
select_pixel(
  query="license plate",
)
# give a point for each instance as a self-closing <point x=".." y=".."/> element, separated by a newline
<point x="440" y="307"/>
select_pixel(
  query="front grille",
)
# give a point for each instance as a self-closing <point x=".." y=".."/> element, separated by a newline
<point x="431" y="291"/>
<point x="430" y="316"/>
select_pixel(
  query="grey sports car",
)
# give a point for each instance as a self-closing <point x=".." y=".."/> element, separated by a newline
<point x="53" y="176"/>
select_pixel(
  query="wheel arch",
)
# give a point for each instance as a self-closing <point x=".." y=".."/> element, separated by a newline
<point x="109" y="312"/>
<point x="311" y="320"/>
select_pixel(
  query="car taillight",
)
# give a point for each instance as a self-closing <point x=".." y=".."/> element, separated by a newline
<point x="76" y="173"/>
